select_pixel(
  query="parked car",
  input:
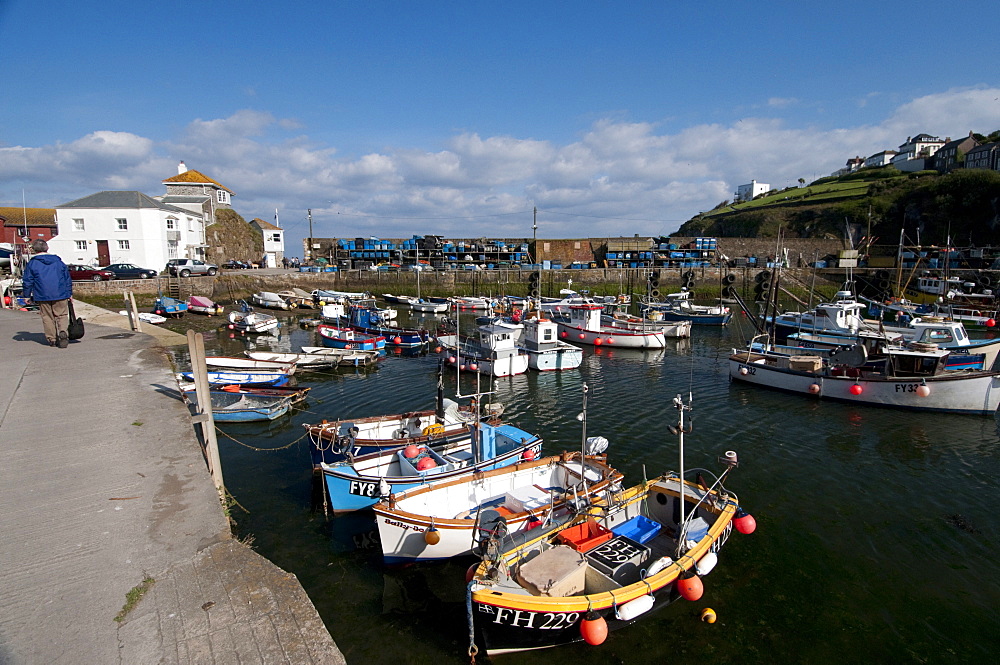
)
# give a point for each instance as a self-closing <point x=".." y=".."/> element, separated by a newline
<point x="78" y="272"/>
<point x="188" y="267"/>
<point x="129" y="271"/>
<point x="233" y="264"/>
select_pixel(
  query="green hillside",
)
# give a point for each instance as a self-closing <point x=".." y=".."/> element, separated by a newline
<point x="964" y="204"/>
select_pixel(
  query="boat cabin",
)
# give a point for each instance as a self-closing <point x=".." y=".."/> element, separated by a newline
<point x="587" y="317"/>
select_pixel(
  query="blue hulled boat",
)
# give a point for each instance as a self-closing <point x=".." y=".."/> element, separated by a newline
<point x="334" y="337"/>
<point x="358" y="484"/>
<point x="369" y="321"/>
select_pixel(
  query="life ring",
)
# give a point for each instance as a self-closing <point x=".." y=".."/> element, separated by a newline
<point x="433" y="429"/>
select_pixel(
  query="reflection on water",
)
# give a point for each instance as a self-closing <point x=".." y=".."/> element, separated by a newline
<point x="876" y="528"/>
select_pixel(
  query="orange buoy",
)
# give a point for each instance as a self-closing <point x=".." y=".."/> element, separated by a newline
<point x="397" y="340"/>
<point x="708" y="615"/>
<point x="923" y="391"/>
<point x="594" y="629"/>
<point x="432" y="536"/>
<point x="426" y="463"/>
<point x="691" y="587"/>
<point x="411" y="451"/>
<point x="598" y="341"/>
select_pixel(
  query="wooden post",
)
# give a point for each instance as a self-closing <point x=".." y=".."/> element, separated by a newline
<point x="137" y="325"/>
<point x="196" y="347"/>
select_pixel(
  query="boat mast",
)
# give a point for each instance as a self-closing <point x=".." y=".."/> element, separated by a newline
<point x="680" y="429"/>
<point x="583" y="442"/>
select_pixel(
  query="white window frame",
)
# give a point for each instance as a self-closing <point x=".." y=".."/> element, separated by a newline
<point x="79" y="224"/>
<point x="81" y="245"/>
<point x="122" y="223"/>
<point x="123" y="245"/>
<point x="222" y="196"/>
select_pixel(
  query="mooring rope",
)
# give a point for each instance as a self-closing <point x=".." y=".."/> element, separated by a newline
<point x="265" y="450"/>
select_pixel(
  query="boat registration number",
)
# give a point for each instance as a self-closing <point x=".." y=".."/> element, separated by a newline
<point x="363" y="489"/>
<point x="534" y="620"/>
<point x="907" y="387"/>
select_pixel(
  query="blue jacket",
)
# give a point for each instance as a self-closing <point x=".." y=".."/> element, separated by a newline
<point x="46" y="278"/>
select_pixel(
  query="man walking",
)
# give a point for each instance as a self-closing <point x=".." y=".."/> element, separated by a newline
<point x="46" y="282"/>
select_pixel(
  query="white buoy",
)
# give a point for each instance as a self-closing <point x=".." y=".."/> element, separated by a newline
<point x="634" y="608"/>
<point x="658" y="565"/>
<point x="707" y="563"/>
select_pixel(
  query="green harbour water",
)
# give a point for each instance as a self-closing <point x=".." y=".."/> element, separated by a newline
<point x="876" y="535"/>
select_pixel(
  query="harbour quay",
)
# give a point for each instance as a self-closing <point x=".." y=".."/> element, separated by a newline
<point x="116" y="547"/>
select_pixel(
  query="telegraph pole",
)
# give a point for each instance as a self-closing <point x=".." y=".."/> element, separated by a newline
<point x="310" y="212"/>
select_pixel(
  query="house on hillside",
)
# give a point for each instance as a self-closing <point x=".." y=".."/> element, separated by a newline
<point x="853" y="165"/>
<point x="985" y="156"/>
<point x="751" y="191"/>
<point x="274" y="242"/>
<point x="917" y="153"/>
<point x="195" y="191"/>
<point x="19" y="226"/>
<point x="879" y="159"/>
<point x="126" y="227"/>
<point x="952" y="154"/>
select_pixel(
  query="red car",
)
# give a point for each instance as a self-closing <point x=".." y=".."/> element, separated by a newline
<point x="77" y="273"/>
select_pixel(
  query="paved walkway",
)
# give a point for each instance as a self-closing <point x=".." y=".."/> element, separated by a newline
<point x="102" y="485"/>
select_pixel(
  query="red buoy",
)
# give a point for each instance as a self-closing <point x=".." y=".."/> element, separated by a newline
<point x="473" y="367"/>
<point x="745" y="523"/>
<point x="611" y="340"/>
<point x="411" y="451"/>
<point x="564" y="334"/>
<point x="583" y="336"/>
<point x="690" y="588"/>
<point x="528" y="454"/>
<point x="397" y="340"/>
<point x="598" y="341"/>
<point x="594" y="629"/>
<point x="814" y="388"/>
<point x="426" y="463"/>
<point x="923" y="391"/>
<point x="990" y="323"/>
<point x="856" y="389"/>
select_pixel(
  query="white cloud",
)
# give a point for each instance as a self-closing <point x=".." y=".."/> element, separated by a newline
<point x="613" y="171"/>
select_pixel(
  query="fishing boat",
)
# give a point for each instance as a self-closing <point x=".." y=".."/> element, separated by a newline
<point x="203" y="305"/>
<point x="241" y="378"/>
<point x="397" y="300"/>
<point x="364" y="480"/>
<point x="302" y="361"/>
<point x="494" y="352"/>
<point x="913" y="377"/>
<point x="247" y="320"/>
<point x="546" y="352"/>
<point x="370" y="322"/>
<point x="329" y="296"/>
<point x="169" y="307"/>
<point x="426" y="306"/>
<point x="296" y="298"/>
<point x="472" y="302"/>
<point x="584" y="326"/>
<point x="269" y="300"/>
<point x="625" y="555"/>
<point x="345" y="357"/>
<point x="447" y="519"/>
<point x="680" y="307"/>
<point x="441" y="427"/>
<point x="250" y="364"/>
<point x="296" y="394"/>
<point x="243" y="407"/>
<point x="670" y="329"/>
<point x="336" y="337"/>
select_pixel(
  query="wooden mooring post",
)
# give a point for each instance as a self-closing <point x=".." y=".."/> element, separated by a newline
<point x="196" y="347"/>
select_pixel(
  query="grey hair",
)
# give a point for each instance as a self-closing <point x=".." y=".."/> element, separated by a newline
<point x="39" y="246"/>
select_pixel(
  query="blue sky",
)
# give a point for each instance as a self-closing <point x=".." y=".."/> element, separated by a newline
<point x="457" y="118"/>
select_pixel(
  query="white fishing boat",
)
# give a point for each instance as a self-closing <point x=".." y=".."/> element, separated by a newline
<point x="680" y="307"/>
<point x="250" y="364"/>
<point x="584" y="327"/>
<point x="269" y="300"/>
<point x="680" y="329"/>
<point x="494" y="352"/>
<point x="246" y="319"/>
<point x="546" y="352"/>
<point x="345" y="357"/>
<point x="447" y="519"/>
<point x="303" y="361"/>
<point x="914" y="377"/>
